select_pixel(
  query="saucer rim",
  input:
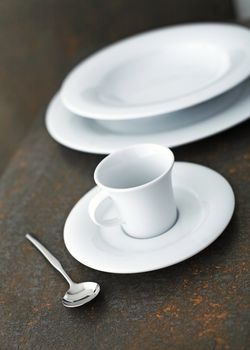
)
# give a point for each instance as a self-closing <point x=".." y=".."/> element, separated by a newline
<point x="221" y="228"/>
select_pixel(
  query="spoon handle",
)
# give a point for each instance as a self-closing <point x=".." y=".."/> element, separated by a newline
<point x="54" y="262"/>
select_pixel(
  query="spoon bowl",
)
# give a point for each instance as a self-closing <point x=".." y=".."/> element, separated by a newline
<point x="80" y="294"/>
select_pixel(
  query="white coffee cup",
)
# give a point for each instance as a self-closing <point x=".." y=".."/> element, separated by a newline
<point x="138" y="181"/>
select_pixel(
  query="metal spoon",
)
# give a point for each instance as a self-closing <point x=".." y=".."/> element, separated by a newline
<point x="78" y="293"/>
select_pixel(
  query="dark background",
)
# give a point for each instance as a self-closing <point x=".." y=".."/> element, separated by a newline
<point x="41" y="40"/>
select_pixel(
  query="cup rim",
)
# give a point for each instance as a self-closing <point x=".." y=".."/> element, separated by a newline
<point x="135" y="188"/>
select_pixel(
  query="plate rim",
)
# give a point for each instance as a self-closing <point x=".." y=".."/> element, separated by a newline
<point x="235" y="76"/>
<point x="104" y="149"/>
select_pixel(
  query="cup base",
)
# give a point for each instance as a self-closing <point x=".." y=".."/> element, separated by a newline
<point x="131" y="235"/>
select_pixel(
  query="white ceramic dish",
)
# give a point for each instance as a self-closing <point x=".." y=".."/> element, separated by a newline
<point x="158" y="72"/>
<point x="179" y="128"/>
<point x="204" y="212"/>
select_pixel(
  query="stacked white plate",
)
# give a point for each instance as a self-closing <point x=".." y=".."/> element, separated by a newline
<point x="168" y="86"/>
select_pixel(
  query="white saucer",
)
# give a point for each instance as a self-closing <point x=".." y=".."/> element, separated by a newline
<point x="171" y="130"/>
<point x="158" y="72"/>
<point x="205" y="202"/>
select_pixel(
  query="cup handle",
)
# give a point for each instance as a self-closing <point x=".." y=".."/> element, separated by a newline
<point x="96" y="210"/>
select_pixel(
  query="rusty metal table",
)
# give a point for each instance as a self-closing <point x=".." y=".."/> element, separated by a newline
<point x="202" y="303"/>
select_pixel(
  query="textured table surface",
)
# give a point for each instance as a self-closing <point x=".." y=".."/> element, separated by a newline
<point x="202" y="303"/>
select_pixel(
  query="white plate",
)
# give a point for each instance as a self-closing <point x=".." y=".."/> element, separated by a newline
<point x="182" y="127"/>
<point x="204" y="212"/>
<point x="158" y="72"/>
